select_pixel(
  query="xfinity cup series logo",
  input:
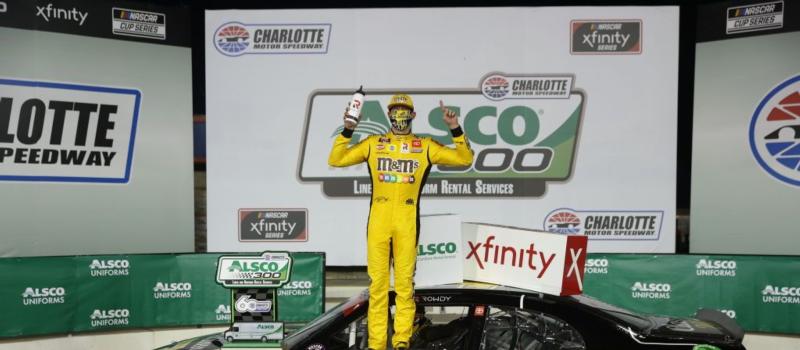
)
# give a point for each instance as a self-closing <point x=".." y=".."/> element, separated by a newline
<point x="166" y="290"/>
<point x="523" y="129"/>
<point x="138" y="23"/>
<point x="646" y="290"/>
<point x="260" y="225"/>
<point x="774" y="133"/>
<point x="66" y="132"/>
<point x="104" y="268"/>
<point x="271" y="269"/>
<point x="606" y="37"/>
<point x="722" y="268"/>
<point x="637" y="225"/>
<point x="51" y="13"/>
<point x="107" y="318"/>
<point x="755" y="17"/>
<point x="39" y="296"/>
<point x="780" y="295"/>
<point x="236" y="39"/>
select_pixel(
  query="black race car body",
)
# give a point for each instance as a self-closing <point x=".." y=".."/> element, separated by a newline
<point x="482" y="316"/>
<point x="475" y="316"/>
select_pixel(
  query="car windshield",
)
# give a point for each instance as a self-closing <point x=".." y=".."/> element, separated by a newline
<point x="630" y="317"/>
<point x="346" y="308"/>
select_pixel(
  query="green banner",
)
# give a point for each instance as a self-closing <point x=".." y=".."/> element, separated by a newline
<point x="303" y="298"/>
<point x="762" y="293"/>
<point x="87" y="293"/>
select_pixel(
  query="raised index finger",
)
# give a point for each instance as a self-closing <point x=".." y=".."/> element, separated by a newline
<point x="441" y="105"/>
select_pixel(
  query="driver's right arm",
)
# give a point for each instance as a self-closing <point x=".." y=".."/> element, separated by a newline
<point x="342" y="155"/>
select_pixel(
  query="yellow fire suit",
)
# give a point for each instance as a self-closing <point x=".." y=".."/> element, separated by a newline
<point x="398" y="167"/>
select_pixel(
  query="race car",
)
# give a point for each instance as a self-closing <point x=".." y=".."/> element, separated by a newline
<point x="474" y="316"/>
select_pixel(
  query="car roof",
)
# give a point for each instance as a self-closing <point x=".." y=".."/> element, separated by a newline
<point x="478" y="286"/>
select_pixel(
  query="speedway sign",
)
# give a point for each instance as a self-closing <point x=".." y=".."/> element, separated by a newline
<point x="535" y="260"/>
<point x="269" y="270"/>
<point x="523" y="128"/>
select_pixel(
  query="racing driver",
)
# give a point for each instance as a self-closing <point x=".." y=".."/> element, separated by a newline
<point x="399" y="163"/>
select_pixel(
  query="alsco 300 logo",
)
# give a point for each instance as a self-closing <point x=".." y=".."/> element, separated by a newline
<point x="523" y="129"/>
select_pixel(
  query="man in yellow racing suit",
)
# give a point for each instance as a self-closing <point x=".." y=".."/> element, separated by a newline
<point x="399" y="163"/>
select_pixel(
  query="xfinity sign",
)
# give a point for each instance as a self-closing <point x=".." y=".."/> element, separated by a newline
<point x="534" y="260"/>
<point x="270" y="269"/>
<point x="51" y="13"/>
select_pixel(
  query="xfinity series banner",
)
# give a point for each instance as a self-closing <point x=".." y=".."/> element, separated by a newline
<point x="95" y="134"/>
<point x="572" y="121"/>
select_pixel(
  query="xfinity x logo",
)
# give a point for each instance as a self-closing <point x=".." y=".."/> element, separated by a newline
<point x="49" y="12"/>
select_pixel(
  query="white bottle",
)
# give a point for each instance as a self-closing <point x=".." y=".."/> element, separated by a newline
<point x="354" y="109"/>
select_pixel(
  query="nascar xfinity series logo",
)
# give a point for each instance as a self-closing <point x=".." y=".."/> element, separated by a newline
<point x="523" y="129"/>
<point x="774" y="133"/>
<point x="270" y="269"/>
<point x="261" y="225"/>
<point x="606" y="224"/>
<point x="236" y="39"/>
<point x="606" y="37"/>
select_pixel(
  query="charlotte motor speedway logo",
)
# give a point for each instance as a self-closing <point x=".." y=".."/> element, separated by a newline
<point x="62" y="132"/>
<point x="523" y="129"/>
<point x="236" y="39"/>
<point x="623" y="225"/>
<point x="774" y="133"/>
